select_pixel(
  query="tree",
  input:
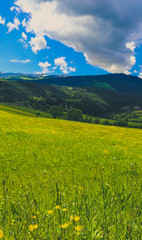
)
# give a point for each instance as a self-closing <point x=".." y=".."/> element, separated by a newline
<point x="56" y="111"/>
<point x="121" y="123"/>
<point x="38" y="114"/>
<point x="74" y="114"/>
<point x="97" y="121"/>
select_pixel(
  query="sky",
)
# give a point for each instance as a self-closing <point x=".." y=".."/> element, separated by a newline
<point x="70" y="37"/>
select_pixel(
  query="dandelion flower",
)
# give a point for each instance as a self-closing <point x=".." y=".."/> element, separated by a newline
<point x="78" y="228"/>
<point x="58" y="207"/>
<point x="50" y="211"/>
<point x="33" y="217"/>
<point x="32" y="227"/>
<point x="65" y="209"/>
<point x="1" y="234"/>
<point x="64" y="226"/>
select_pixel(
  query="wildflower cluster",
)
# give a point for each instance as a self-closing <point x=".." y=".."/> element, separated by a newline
<point x="32" y="227"/>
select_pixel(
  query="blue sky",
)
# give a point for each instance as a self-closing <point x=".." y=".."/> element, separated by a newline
<point x="71" y="37"/>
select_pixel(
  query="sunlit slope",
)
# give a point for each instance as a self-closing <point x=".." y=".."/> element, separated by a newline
<point x="71" y="139"/>
<point x="22" y="111"/>
<point x="92" y="171"/>
<point x="15" y="111"/>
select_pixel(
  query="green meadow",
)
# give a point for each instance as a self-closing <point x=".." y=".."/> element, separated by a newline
<point x="63" y="180"/>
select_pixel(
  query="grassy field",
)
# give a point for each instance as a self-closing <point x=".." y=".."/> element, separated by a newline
<point x="69" y="180"/>
<point x="23" y="111"/>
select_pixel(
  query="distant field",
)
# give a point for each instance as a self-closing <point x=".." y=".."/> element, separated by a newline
<point x="69" y="180"/>
<point x="23" y="111"/>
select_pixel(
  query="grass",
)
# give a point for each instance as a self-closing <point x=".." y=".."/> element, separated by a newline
<point x="23" y="111"/>
<point x="69" y="180"/>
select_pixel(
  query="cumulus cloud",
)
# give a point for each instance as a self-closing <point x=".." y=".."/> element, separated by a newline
<point x="11" y="26"/>
<point x="45" y="67"/>
<point x="38" y="43"/>
<point x="106" y="31"/>
<point x="20" y="61"/>
<point x="2" y="20"/>
<point x="62" y="64"/>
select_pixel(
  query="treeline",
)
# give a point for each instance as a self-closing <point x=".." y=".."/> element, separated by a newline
<point x="75" y="114"/>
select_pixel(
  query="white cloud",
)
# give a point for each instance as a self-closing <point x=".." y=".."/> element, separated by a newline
<point x="72" y="69"/>
<point x="106" y="31"/>
<point x="131" y="46"/>
<point x="59" y="62"/>
<point x="45" y="66"/>
<point x="12" y="9"/>
<point x="38" y="43"/>
<point x="2" y="20"/>
<point x="135" y="71"/>
<point x="54" y="68"/>
<point x="140" y="75"/>
<point x="24" y="43"/>
<point x="24" y="22"/>
<point x="20" y="61"/>
<point x="23" y="40"/>
<point x="24" y="36"/>
<point x="132" y="60"/>
<point x="62" y="64"/>
<point x="11" y="26"/>
<point x="17" y="9"/>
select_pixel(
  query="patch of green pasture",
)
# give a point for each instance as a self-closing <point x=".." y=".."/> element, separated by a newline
<point x="23" y="110"/>
<point x="89" y="175"/>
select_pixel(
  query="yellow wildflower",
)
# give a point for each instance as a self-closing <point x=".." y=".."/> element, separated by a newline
<point x="65" y="209"/>
<point x="50" y="211"/>
<point x="78" y="228"/>
<point x="64" y="226"/>
<point x="33" y="227"/>
<point x="33" y="217"/>
<point x="75" y="218"/>
<point x="58" y="207"/>
<point x="1" y="234"/>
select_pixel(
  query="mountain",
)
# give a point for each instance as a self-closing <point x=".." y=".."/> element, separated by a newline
<point x="98" y="95"/>
<point x="117" y="82"/>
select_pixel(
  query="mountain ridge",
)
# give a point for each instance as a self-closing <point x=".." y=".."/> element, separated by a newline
<point x="117" y="82"/>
